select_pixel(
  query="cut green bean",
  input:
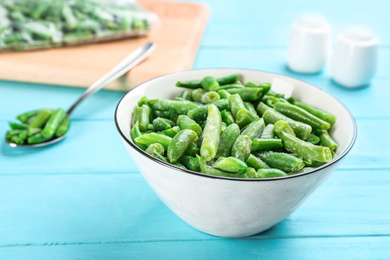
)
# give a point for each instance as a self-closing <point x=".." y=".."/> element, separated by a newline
<point x="135" y="115"/>
<point x="301" y="130"/>
<point x="223" y="94"/>
<point x="251" y="84"/>
<point x="230" y="164"/>
<point x="242" y="147"/>
<point x="247" y="94"/>
<point x="227" y="140"/>
<point x="53" y="123"/>
<point x="143" y="101"/>
<point x="327" y="140"/>
<point x="305" y="149"/>
<point x="250" y="107"/>
<point x="281" y="125"/>
<point x="17" y="126"/>
<point x="180" y="143"/>
<point x="261" y="108"/>
<point x="185" y="122"/>
<point x="256" y="162"/>
<point x="228" y="79"/>
<point x="197" y="94"/>
<point x="155" y="148"/>
<point x="63" y="127"/>
<point x="317" y="112"/>
<point x="254" y="129"/>
<point x="268" y="132"/>
<point x="262" y="144"/>
<point x="192" y="84"/>
<point x="26" y="116"/>
<point x="212" y="132"/>
<point x="172" y="132"/>
<point x="210" y="83"/>
<point x="206" y="169"/>
<point x="192" y="150"/>
<point x="200" y="113"/>
<point x="37" y="138"/>
<point x="227" y="117"/>
<point x="162" y="114"/>
<point x="230" y="86"/>
<point x="151" y="138"/>
<point x="271" y="173"/>
<point x="144" y="116"/>
<point x="191" y="163"/>
<point x="41" y="119"/>
<point x="210" y="97"/>
<point x="186" y="95"/>
<point x="314" y="139"/>
<point x="179" y="107"/>
<point x="282" y="161"/>
<point x="301" y="115"/>
<point x="134" y="133"/>
<point x="161" y="124"/>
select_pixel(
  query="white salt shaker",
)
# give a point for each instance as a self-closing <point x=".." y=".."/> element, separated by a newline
<point x="310" y="43"/>
<point x="355" y="57"/>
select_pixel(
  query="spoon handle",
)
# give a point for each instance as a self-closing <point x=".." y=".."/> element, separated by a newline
<point x="125" y="65"/>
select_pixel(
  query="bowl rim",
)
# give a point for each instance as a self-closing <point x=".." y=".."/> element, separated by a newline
<point x="166" y="164"/>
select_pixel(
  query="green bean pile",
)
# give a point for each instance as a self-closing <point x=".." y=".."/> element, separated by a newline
<point x="32" y="24"/>
<point x="38" y="126"/>
<point x="222" y="127"/>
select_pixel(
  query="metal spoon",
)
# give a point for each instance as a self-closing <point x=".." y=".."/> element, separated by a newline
<point x="125" y="65"/>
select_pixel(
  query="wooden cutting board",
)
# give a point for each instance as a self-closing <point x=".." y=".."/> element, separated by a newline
<point x="177" y="39"/>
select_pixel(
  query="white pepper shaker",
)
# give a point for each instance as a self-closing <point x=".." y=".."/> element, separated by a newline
<point x="310" y="43"/>
<point x="355" y="57"/>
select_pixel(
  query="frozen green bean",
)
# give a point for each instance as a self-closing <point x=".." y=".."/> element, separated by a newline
<point x="230" y="164"/>
<point x="155" y="148"/>
<point x="268" y="132"/>
<point x="270" y="173"/>
<point x="197" y="94"/>
<point x="262" y="144"/>
<point x="242" y="147"/>
<point x="227" y="140"/>
<point x="212" y="132"/>
<point x="301" y="115"/>
<point x="305" y="149"/>
<point x="210" y="83"/>
<point x="256" y="162"/>
<point x="179" y="107"/>
<point x="53" y="123"/>
<point x="227" y="117"/>
<point x="254" y="129"/>
<point x="179" y="144"/>
<point x="210" y="97"/>
<point x="282" y="161"/>
<point x="247" y="94"/>
<point x="161" y="124"/>
<point x="317" y="112"/>
<point x="191" y="163"/>
<point x="151" y="138"/>
<point x="301" y="130"/>
<point x="327" y="140"/>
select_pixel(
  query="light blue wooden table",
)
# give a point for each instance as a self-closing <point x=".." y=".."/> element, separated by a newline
<point x="84" y="198"/>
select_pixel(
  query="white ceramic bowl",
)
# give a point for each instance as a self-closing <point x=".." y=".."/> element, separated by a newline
<point x="231" y="207"/>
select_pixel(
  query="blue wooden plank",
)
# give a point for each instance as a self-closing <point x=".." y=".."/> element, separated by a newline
<point x="120" y="208"/>
<point x="95" y="147"/>
<point x="91" y="146"/>
<point x="19" y="97"/>
<point x="298" y="248"/>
